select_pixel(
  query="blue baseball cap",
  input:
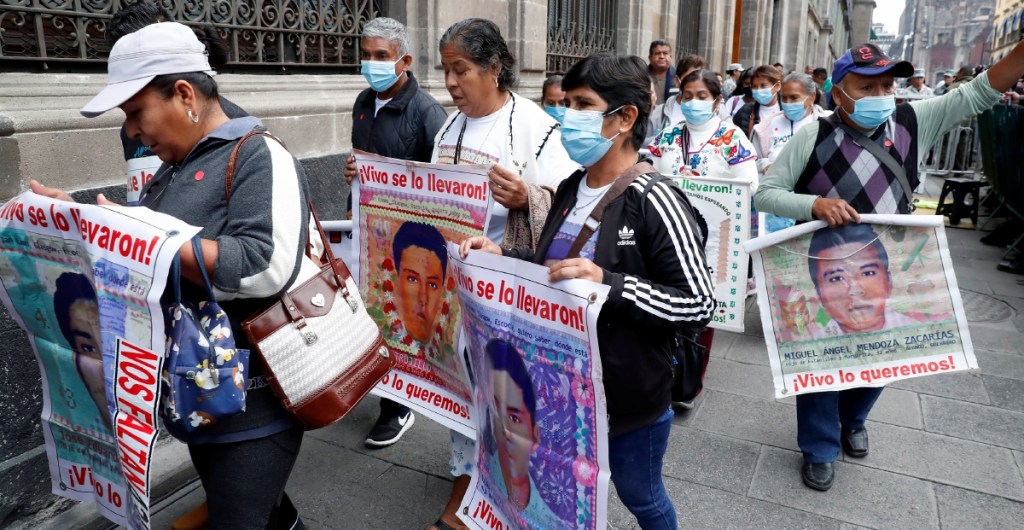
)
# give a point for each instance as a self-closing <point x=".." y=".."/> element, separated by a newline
<point x="868" y="59"/>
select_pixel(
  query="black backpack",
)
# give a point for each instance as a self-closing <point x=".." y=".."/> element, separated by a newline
<point x="689" y="357"/>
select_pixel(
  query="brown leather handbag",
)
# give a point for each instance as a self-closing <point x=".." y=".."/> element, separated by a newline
<point x="321" y="351"/>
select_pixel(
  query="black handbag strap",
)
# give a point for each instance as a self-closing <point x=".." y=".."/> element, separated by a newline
<point x="882" y="154"/>
<point x="593" y="221"/>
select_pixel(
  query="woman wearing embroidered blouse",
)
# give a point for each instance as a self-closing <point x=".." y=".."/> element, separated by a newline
<point x="704" y="144"/>
<point x="659" y="285"/>
<point x="520" y="141"/>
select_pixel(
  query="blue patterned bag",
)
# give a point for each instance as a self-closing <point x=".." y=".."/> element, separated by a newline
<point x="204" y="375"/>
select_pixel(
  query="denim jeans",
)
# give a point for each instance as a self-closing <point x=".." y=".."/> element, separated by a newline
<point x="822" y="416"/>
<point x="636" y="460"/>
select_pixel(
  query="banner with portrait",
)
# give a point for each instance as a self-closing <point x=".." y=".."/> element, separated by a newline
<point x="725" y="206"/>
<point x="864" y="304"/>
<point x="404" y="214"/>
<point x="541" y="421"/>
<point x="85" y="282"/>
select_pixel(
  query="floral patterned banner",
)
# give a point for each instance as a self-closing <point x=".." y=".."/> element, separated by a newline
<point x="405" y="214"/>
<point x="541" y="423"/>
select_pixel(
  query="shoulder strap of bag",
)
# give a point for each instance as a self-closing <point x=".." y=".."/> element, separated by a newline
<point x="338" y="267"/>
<point x="594" y="220"/>
<point x="233" y="159"/>
<point x="883" y="155"/>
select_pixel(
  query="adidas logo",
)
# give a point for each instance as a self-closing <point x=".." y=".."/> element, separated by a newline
<point x="626" y="236"/>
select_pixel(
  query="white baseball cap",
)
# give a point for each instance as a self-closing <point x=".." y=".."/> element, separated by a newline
<point x="918" y="73"/>
<point x="157" y="49"/>
<point x="734" y="66"/>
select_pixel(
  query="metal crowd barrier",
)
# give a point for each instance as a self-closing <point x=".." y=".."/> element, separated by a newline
<point x="956" y="154"/>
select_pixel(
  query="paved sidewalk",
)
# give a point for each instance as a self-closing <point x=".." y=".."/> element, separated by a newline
<point x="946" y="451"/>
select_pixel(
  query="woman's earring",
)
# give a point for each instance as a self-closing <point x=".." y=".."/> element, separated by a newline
<point x="496" y="85"/>
<point x="192" y="116"/>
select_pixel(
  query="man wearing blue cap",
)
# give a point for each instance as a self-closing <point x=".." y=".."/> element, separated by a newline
<point x="863" y="159"/>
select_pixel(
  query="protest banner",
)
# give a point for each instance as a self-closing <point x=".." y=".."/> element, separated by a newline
<point x="864" y="304"/>
<point x="542" y="429"/>
<point x="405" y="213"/>
<point x="725" y="206"/>
<point x="140" y="172"/>
<point x="85" y="283"/>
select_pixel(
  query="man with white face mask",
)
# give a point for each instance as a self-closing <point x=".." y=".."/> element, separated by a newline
<point x="814" y="177"/>
<point x="395" y="118"/>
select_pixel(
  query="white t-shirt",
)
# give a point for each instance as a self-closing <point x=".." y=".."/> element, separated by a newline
<point x="379" y="104"/>
<point x="781" y="130"/>
<point x="766" y="111"/>
<point x="730" y="107"/>
<point x="486" y="141"/>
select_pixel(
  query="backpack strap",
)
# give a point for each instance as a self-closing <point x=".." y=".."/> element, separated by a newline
<point x="233" y="159"/>
<point x="702" y="223"/>
<point x="593" y="221"/>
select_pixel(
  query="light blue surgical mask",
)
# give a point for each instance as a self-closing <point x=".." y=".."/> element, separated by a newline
<point x="380" y="74"/>
<point x="558" y="113"/>
<point x="794" y="111"/>
<point x="698" y="111"/>
<point x="871" y="111"/>
<point x="581" y="135"/>
<point x="763" y="95"/>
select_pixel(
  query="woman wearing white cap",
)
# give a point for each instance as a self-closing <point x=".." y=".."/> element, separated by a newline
<point x="161" y="78"/>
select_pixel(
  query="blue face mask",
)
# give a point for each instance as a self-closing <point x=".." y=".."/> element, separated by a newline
<point x="794" y="111"/>
<point x="380" y="74"/>
<point x="698" y="111"/>
<point x="558" y="113"/>
<point x="763" y="95"/>
<point x="581" y="135"/>
<point x="871" y="111"/>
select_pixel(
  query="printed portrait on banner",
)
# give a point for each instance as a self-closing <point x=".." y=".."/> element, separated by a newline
<point x="541" y="429"/>
<point x="84" y="282"/>
<point x="867" y="294"/>
<point x="405" y="214"/>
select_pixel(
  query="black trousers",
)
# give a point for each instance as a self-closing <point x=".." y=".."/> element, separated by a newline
<point x="244" y="481"/>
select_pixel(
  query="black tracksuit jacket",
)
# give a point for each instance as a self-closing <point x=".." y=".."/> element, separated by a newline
<point x="652" y="253"/>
